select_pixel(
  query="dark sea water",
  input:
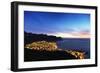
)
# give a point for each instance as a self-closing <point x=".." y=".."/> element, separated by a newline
<point x="75" y="44"/>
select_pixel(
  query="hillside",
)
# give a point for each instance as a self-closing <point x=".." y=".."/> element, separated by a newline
<point x="42" y="50"/>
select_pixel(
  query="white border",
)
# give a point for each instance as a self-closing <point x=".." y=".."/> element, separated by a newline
<point x="37" y="64"/>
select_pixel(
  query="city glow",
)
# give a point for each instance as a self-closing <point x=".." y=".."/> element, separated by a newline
<point x="72" y="35"/>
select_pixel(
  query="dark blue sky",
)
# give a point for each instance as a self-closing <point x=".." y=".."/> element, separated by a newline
<point x="58" y="24"/>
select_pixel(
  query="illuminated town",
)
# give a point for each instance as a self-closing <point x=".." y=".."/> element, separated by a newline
<point x="52" y="46"/>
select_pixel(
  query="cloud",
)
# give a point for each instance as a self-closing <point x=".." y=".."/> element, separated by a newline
<point x="73" y="34"/>
<point x="82" y="34"/>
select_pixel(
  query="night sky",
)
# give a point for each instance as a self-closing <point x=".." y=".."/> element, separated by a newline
<point x="67" y="25"/>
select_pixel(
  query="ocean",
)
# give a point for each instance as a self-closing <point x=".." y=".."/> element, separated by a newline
<point x="75" y="44"/>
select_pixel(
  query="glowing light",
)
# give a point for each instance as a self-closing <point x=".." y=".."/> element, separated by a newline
<point x="72" y="35"/>
<point x="64" y="35"/>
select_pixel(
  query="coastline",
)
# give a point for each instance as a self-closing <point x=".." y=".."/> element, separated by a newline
<point x="43" y="50"/>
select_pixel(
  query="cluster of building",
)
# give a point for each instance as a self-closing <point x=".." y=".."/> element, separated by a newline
<point x="77" y="54"/>
<point x="42" y="45"/>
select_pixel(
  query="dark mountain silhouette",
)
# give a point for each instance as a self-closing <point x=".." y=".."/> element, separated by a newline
<point x="30" y="37"/>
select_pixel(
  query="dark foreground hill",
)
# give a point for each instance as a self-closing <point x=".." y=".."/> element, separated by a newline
<point x="35" y="55"/>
